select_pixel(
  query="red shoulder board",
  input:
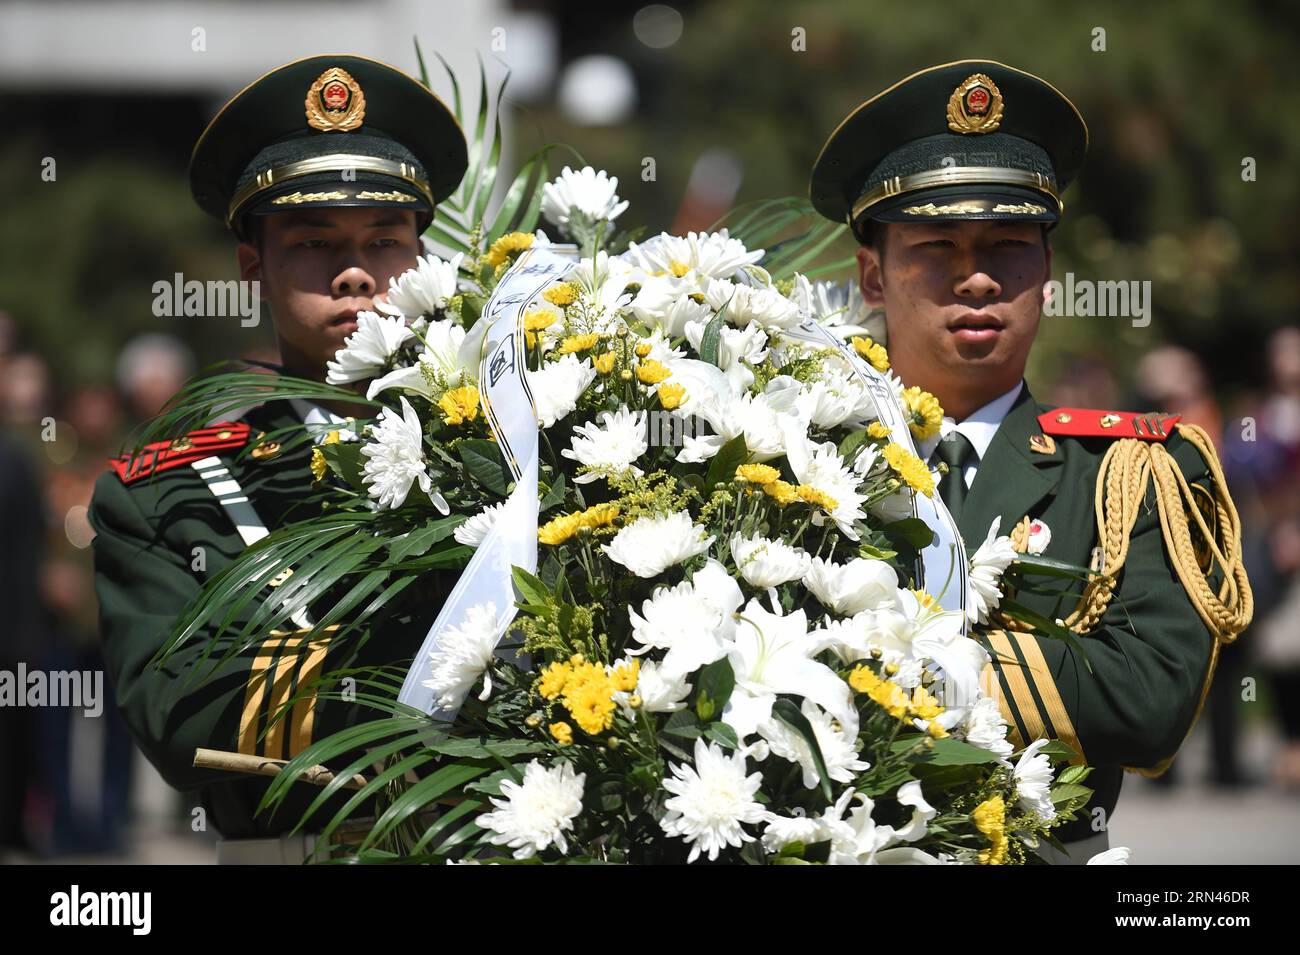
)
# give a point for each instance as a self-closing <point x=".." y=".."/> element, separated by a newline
<point x="1100" y="423"/>
<point x="199" y="443"/>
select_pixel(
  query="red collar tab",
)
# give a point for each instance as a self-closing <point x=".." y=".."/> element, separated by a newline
<point x="197" y="444"/>
<point x="1101" y="423"/>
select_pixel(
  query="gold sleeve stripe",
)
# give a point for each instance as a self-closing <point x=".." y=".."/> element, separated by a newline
<point x="304" y="711"/>
<point x="1031" y="720"/>
<point x="254" y="693"/>
<point x="991" y="685"/>
<point x="1048" y="692"/>
<point x="281" y="687"/>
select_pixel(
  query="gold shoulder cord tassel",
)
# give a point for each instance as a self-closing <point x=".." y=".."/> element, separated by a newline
<point x="1121" y="487"/>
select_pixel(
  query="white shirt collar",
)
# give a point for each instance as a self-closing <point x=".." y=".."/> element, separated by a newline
<point x="320" y="421"/>
<point x="979" y="428"/>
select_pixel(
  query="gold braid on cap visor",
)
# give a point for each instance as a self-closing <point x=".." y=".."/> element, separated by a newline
<point x="338" y="162"/>
<point x="955" y="176"/>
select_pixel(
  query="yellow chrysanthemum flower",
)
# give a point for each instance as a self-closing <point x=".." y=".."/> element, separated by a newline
<point x="811" y="495"/>
<point x="990" y="818"/>
<point x="651" y="372"/>
<point x="506" y="246"/>
<point x="783" y="492"/>
<point x="562" y="732"/>
<point x="873" y="352"/>
<point x="625" y="675"/>
<point x="599" y="515"/>
<point x="604" y="364"/>
<point x="578" y="343"/>
<point x="642" y="349"/>
<point x="925" y="414"/>
<point x="671" y="396"/>
<point x="936" y="730"/>
<point x="924" y="705"/>
<point x="877" y="429"/>
<point x="886" y="693"/>
<point x="318" y="466"/>
<point x="459" y="405"/>
<point x="566" y="293"/>
<point x="535" y="320"/>
<point x="758" y="473"/>
<point x="553" y="679"/>
<point x="910" y="468"/>
<point x="559" y="530"/>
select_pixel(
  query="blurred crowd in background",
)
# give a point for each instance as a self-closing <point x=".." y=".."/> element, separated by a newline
<point x="718" y="95"/>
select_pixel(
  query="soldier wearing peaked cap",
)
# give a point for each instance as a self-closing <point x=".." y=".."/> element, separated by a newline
<point x="327" y="170"/>
<point x="951" y="180"/>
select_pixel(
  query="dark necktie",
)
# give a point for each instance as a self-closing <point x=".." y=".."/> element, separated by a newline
<point x="956" y="451"/>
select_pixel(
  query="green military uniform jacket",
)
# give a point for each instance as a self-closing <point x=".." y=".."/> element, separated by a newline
<point x="1151" y="653"/>
<point x="145" y="555"/>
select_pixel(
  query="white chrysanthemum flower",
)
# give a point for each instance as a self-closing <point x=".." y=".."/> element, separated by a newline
<point x="663" y="303"/>
<point x="651" y="545"/>
<point x="861" y="584"/>
<point x="463" y="655"/>
<point x="424" y="289"/>
<point x="837" y="305"/>
<point x="764" y="562"/>
<point x="610" y="447"/>
<point x="693" y="621"/>
<point x="602" y="282"/>
<point x="763" y="419"/>
<point x="557" y="385"/>
<point x="986" y="568"/>
<point x="820" y="466"/>
<point x="590" y="192"/>
<point x="838" y="744"/>
<point x="984" y="727"/>
<point x="472" y="532"/>
<point x="536" y="815"/>
<point x="752" y="305"/>
<point x="1034" y="781"/>
<point x="711" y="255"/>
<point x="782" y="831"/>
<point x="1117" y="856"/>
<point x="660" y="690"/>
<point x="834" y="399"/>
<point x="395" y="459"/>
<point x="368" y="349"/>
<point x="712" y="801"/>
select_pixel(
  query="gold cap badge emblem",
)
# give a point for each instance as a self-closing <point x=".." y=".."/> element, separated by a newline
<point x="335" y="102"/>
<point x="975" y="105"/>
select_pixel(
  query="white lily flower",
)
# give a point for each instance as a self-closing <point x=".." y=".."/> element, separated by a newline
<point x="591" y="192"/>
<point x="1116" y="856"/>
<point x="651" y="545"/>
<point x="611" y="447"/>
<point x="767" y="563"/>
<point x="919" y="632"/>
<point x="773" y="654"/>
<point x="861" y="584"/>
<point x="536" y="814"/>
<point x="395" y="459"/>
<point x="368" y="349"/>
<point x="712" y="801"/>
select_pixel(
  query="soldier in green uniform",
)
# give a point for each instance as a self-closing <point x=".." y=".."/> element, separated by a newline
<point x="951" y="180"/>
<point x="327" y="170"/>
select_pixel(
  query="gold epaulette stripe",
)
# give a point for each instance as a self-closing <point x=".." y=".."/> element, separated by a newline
<point x="991" y="685"/>
<point x="304" y="711"/>
<point x="1060" y="725"/>
<point x="281" y="691"/>
<point x="1029" y="719"/>
<point x="254" y="693"/>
